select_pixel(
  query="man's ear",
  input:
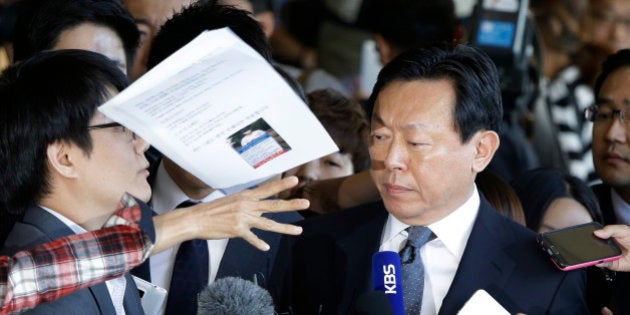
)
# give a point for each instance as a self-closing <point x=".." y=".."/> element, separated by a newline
<point x="385" y="50"/>
<point x="267" y="22"/>
<point x="61" y="158"/>
<point x="486" y="144"/>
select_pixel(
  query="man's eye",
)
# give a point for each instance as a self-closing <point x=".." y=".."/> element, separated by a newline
<point x="417" y="143"/>
<point x="603" y="116"/>
<point x="331" y="163"/>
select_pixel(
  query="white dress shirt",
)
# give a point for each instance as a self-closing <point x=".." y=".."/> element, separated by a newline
<point x="621" y="208"/>
<point x="166" y="196"/>
<point x="116" y="287"/>
<point x="440" y="256"/>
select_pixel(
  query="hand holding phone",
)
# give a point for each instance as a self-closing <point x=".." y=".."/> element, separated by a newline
<point x="577" y="247"/>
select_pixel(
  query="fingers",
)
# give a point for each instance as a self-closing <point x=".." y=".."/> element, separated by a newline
<point x="621" y="235"/>
<point x="618" y="231"/>
<point x="251" y="238"/>
<point x="279" y="205"/>
<point x="266" y="224"/>
<point x="604" y="265"/>
<point x="271" y="188"/>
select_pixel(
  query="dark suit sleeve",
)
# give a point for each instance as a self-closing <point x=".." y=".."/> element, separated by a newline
<point x="570" y="297"/>
<point x="143" y="271"/>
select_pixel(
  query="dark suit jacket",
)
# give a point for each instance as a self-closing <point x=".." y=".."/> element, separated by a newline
<point x="38" y="227"/>
<point x="620" y="302"/>
<point x="329" y="266"/>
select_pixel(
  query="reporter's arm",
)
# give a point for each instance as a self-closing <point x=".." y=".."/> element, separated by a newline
<point x="32" y="277"/>
<point x="229" y="217"/>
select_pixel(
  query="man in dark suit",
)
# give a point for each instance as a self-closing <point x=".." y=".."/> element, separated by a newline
<point x="434" y="127"/>
<point x="173" y="185"/>
<point x="66" y="166"/>
<point x="611" y="154"/>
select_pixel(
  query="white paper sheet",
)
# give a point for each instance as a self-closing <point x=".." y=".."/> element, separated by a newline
<point x="201" y="106"/>
<point x="482" y="303"/>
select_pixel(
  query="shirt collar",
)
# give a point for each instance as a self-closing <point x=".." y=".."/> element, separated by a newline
<point x="454" y="239"/>
<point x="127" y="213"/>
<point x="77" y="229"/>
<point x="167" y="195"/>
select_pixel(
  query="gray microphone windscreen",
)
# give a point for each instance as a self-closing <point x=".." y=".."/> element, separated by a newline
<point x="234" y="296"/>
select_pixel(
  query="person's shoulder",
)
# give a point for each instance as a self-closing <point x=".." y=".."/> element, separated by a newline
<point x="509" y="229"/>
<point x="26" y="234"/>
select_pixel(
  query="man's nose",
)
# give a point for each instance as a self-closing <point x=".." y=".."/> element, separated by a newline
<point x="396" y="157"/>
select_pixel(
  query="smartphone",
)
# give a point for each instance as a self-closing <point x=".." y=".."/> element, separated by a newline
<point x="152" y="297"/>
<point x="577" y="247"/>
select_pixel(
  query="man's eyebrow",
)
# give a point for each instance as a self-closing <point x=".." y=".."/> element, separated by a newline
<point x="141" y="21"/>
<point x="412" y="125"/>
<point x="607" y="101"/>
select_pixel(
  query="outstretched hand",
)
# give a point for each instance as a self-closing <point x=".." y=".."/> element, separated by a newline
<point x="231" y="216"/>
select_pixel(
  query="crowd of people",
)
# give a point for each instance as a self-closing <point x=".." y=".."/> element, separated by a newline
<point x="89" y="210"/>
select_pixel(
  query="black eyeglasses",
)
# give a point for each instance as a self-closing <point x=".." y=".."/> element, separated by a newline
<point x="597" y="115"/>
<point x="123" y="129"/>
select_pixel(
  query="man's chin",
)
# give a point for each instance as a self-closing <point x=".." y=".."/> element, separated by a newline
<point x="142" y="194"/>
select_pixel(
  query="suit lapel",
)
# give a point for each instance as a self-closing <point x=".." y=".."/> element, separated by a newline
<point x="241" y="259"/>
<point x="484" y="263"/>
<point x="131" y="301"/>
<point x="102" y="298"/>
<point x="603" y="193"/>
<point x="354" y="259"/>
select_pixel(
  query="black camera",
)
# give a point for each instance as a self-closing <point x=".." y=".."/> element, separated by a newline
<point x="505" y="31"/>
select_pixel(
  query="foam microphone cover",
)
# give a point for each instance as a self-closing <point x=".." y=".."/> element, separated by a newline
<point x="234" y="296"/>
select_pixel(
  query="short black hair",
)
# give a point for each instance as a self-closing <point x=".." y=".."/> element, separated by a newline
<point x="612" y="63"/>
<point x="40" y="22"/>
<point x="412" y="23"/>
<point x="47" y="98"/>
<point x="198" y="17"/>
<point x="345" y="121"/>
<point x="472" y="73"/>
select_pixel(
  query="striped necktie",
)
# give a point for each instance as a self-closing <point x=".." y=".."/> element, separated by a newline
<point x="190" y="274"/>
<point x="413" y="268"/>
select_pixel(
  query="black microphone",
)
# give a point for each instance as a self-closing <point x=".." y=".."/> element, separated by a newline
<point x="234" y="296"/>
<point x="373" y="303"/>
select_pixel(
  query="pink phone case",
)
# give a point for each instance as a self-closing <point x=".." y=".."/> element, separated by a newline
<point x="585" y="264"/>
